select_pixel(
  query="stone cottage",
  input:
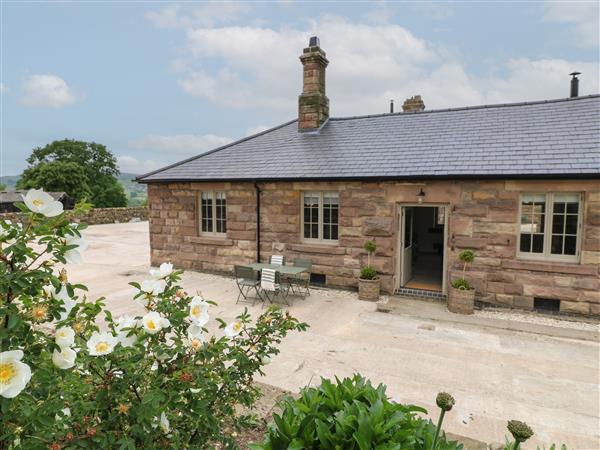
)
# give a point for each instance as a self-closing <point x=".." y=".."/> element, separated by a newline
<point x="518" y="183"/>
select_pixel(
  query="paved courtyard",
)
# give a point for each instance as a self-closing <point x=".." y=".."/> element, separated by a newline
<point x="495" y="374"/>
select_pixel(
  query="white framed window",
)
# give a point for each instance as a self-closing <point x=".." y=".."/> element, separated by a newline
<point x="213" y="213"/>
<point x="320" y="217"/>
<point x="550" y="226"/>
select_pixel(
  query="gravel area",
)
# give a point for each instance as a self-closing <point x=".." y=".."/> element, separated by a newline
<point x="540" y="319"/>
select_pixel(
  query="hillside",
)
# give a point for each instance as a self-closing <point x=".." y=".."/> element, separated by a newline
<point x="136" y="193"/>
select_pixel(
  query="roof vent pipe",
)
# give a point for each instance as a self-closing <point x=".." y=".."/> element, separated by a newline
<point x="392" y="106"/>
<point x="575" y="84"/>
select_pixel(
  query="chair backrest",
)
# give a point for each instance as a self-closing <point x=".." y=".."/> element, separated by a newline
<point x="268" y="279"/>
<point x="303" y="263"/>
<point x="244" y="272"/>
<point x="277" y="260"/>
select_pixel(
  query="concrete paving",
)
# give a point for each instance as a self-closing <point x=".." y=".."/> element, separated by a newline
<point x="495" y="374"/>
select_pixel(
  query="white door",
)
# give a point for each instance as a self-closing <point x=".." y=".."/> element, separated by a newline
<point x="406" y="234"/>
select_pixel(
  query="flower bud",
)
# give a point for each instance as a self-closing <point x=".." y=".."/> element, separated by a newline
<point x="519" y="430"/>
<point x="63" y="276"/>
<point x="444" y="401"/>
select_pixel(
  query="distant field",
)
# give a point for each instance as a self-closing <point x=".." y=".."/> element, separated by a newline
<point x="136" y="193"/>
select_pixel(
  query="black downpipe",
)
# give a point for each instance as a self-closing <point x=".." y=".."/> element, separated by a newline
<point x="258" y="191"/>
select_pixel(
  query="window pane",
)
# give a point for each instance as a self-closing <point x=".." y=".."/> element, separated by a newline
<point x="570" y="245"/>
<point x="571" y="227"/>
<point x="334" y="232"/>
<point x="330" y="215"/>
<point x="557" y="243"/>
<point x="558" y="223"/>
<point x="559" y="208"/>
<point x="311" y="216"/>
<point x="525" y="243"/>
<point x="206" y="212"/>
<point x="537" y="245"/>
<point x="572" y="208"/>
<point x="221" y="212"/>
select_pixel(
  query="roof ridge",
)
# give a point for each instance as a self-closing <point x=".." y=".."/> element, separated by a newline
<point x="469" y="108"/>
<point x="223" y="147"/>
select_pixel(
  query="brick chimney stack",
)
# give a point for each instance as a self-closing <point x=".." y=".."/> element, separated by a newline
<point x="413" y="104"/>
<point x="313" y="104"/>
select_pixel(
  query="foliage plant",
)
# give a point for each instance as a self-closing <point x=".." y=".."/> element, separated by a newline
<point x="466" y="257"/>
<point x="84" y="170"/>
<point x="350" y="414"/>
<point x="368" y="272"/>
<point x="73" y="376"/>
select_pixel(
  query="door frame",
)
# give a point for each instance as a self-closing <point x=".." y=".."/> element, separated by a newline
<point x="399" y="239"/>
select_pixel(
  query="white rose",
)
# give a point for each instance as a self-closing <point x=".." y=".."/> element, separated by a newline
<point x="198" y="311"/>
<point x="153" y="322"/>
<point x="233" y="329"/>
<point x="64" y="337"/>
<point x="73" y="256"/>
<point x="101" y="343"/>
<point x="40" y="202"/>
<point x="65" y="358"/>
<point x="163" y="271"/>
<point x="14" y="375"/>
<point x="152" y="287"/>
<point x="122" y="334"/>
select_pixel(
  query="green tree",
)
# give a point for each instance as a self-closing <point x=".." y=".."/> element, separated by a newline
<point x="97" y="163"/>
<point x="2" y="187"/>
<point x="58" y="176"/>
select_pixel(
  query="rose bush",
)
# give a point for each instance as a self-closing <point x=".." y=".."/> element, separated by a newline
<point x="72" y="376"/>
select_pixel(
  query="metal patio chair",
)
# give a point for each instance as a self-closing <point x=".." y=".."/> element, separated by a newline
<point x="271" y="285"/>
<point x="277" y="260"/>
<point x="300" y="283"/>
<point x="246" y="280"/>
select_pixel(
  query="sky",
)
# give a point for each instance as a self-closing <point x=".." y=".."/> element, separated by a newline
<point x="158" y="82"/>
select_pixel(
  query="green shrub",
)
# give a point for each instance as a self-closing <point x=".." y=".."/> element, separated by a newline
<point x="462" y="284"/>
<point x="350" y="414"/>
<point x="368" y="273"/>
<point x="466" y="257"/>
<point x="156" y="380"/>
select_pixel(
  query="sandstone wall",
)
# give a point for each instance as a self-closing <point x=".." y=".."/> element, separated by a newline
<point x="482" y="216"/>
<point x="99" y="215"/>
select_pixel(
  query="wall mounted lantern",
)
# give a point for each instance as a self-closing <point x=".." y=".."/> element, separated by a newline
<point x="420" y="196"/>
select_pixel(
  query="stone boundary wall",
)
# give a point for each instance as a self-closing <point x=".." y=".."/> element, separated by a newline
<point x="98" y="216"/>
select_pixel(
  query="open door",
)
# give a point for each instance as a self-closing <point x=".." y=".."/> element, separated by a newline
<point x="406" y="233"/>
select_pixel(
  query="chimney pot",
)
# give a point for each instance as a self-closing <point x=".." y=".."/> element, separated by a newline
<point x="413" y="104"/>
<point x="392" y="106"/>
<point x="313" y="104"/>
<point x="574" y="84"/>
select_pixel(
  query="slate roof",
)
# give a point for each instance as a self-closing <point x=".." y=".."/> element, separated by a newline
<point x="555" y="138"/>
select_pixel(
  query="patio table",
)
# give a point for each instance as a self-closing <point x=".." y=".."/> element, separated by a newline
<point x="285" y="270"/>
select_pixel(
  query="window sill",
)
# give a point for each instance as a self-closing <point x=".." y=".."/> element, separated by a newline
<point x="536" y="265"/>
<point x="209" y="240"/>
<point x="331" y="248"/>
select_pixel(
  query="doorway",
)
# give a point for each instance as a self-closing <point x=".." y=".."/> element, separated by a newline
<point x="421" y="248"/>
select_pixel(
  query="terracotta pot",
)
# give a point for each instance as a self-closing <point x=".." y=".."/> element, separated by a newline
<point x="461" y="301"/>
<point x="368" y="289"/>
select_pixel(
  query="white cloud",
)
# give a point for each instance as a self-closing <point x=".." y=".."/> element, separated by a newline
<point x="540" y="80"/>
<point x="584" y="16"/>
<point x="183" y="144"/>
<point x="47" y="90"/>
<point x="3" y="88"/>
<point x="370" y="65"/>
<point x="129" y="164"/>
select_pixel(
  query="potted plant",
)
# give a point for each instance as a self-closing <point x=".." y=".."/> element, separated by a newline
<point x="462" y="295"/>
<point x="368" y="282"/>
